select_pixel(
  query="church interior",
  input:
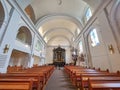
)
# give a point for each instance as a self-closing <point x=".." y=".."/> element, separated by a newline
<point x="59" y="44"/>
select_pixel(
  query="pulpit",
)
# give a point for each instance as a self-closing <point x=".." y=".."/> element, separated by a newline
<point x="59" y="56"/>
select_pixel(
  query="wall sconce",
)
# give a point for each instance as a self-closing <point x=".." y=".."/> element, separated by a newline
<point x="6" y="48"/>
<point x="111" y="49"/>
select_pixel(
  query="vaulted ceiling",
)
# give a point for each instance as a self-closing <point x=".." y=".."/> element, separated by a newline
<point x="58" y="20"/>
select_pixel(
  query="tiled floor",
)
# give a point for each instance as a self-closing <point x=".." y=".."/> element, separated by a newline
<point x="59" y="81"/>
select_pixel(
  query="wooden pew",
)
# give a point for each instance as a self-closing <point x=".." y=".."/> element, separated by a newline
<point x="104" y="85"/>
<point x="75" y="74"/>
<point x="41" y="73"/>
<point x="14" y="68"/>
<point x="16" y="84"/>
<point x="84" y="79"/>
<point x="46" y="70"/>
<point x="38" y="83"/>
<point x="77" y="77"/>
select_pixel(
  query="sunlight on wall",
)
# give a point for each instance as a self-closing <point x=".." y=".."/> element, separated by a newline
<point x="94" y="38"/>
<point x="40" y="31"/>
<point x="46" y="39"/>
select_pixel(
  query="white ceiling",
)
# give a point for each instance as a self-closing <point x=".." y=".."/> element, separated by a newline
<point x="58" y="20"/>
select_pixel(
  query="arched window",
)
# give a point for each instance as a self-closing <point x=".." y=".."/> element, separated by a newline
<point x="88" y="14"/>
<point x="94" y="38"/>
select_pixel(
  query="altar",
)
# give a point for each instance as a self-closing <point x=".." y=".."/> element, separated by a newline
<point x="59" y="56"/>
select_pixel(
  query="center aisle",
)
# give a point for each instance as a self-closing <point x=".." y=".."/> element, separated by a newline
<point x="59" y="81"/>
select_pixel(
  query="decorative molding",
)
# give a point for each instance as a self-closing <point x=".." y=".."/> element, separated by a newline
<point x="57" y="16"/>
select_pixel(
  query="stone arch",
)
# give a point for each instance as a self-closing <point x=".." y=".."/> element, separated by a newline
<point x="24" y="35"/>
<point x="56" y="16"/>
<point x="59" y="36"/>
<point x="55" y="29"/>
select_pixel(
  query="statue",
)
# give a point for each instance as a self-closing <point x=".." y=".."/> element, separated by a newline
<point x="74" y="57"/>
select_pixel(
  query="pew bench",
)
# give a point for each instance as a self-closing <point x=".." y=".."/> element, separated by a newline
<point x="38" y="82"/>
<point x="104" y="84"/>
<point x="16" y="84"/>
<point x="83" y="81"/>
<point x="76" y="78"/>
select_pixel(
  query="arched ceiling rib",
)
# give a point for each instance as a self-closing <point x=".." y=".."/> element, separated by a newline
<point x="65" y="17"/>
<point x="68" y="7"/>
<point x="59" y="40"/>
<point x="59" y="17"/>
<point x="58" y="29"/>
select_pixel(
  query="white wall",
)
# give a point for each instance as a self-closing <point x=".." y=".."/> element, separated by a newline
<point x="100" y="55"/>
<point x="15" y="21"/>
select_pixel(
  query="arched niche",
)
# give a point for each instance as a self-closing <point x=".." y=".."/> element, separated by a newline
<point x="24" y="35"/>
<point x="2" y="14"/>
<point x="30" y="13"/>
<point x="19" y="58"/>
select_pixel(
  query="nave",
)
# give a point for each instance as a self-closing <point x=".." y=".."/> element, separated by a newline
<point x="36" y="35"/>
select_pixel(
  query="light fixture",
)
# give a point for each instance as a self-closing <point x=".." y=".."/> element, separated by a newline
<point x="6" y="48"/>
<point x="111" y="49"/>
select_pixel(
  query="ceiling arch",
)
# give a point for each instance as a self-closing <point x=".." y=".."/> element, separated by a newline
<point x="56" y="29"/>
<point x="50" y="17"/>
<point x="60" y="33"/>
<point x="60" y="18"/>
<point x="58" y="25"/>
<point x="59" y="40"/>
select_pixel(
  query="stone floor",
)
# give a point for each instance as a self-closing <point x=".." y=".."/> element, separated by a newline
<point x="59" y="81"/>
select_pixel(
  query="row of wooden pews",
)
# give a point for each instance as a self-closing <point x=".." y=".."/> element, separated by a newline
<point x="93" y="79"/>
<point x="26" y="79"/>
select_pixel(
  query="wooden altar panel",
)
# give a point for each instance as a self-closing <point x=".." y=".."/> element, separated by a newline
<point x="59" y="56"/>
